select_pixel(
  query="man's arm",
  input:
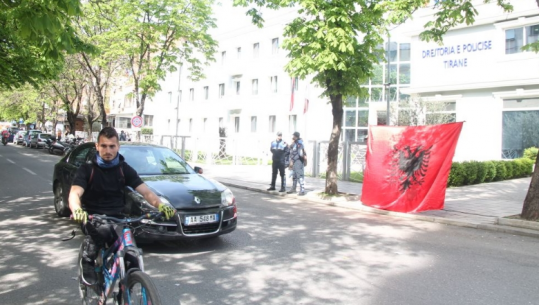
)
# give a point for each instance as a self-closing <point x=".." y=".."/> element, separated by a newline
<point x="150" y="196"/>
<point x="74" y="198"/>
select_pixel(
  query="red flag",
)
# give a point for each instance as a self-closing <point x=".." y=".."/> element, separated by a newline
<point x="292" y="93"/>
<point x="306" y="106"/>
<point x="407" y="167"/>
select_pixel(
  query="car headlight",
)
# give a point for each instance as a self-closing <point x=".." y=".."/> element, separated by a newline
<point x="227" y="198"/>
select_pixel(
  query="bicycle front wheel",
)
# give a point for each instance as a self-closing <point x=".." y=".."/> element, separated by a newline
<point x="141" y="290"/>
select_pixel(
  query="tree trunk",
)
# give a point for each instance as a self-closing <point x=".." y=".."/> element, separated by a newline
<point x="530" y="209"/>
<point x="333" y="149"/>
<point x="71" y="119"/>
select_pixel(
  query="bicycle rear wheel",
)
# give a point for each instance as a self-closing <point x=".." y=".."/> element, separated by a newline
<point x="141" y="290"/>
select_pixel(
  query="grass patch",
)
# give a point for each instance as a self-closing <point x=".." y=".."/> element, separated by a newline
<point x="354" y="176"/>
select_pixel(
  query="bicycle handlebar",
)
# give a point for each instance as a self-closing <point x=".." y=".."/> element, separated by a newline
<point x="151" y="215"/>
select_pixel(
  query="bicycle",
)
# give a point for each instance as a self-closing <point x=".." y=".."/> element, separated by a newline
<point x="120" y="268"/>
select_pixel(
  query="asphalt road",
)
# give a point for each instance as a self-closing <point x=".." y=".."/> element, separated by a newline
<point x="283" y="252"/>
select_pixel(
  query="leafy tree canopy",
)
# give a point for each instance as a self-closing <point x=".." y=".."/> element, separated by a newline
<point x="34" y="34"/>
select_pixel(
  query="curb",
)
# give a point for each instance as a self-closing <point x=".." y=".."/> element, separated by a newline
<point x="501" y="225"/>
<point x="517" y="223"/>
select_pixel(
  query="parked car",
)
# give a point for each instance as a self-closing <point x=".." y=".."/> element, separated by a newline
<point x="39" y="140"/>
<point x="28" y="136"/>
<point x="19" y="137"/>
<point x="206" y="208"/>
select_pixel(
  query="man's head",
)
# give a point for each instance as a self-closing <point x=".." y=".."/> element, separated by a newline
<point x="279" y="135"/>
<point x="108" y="144"/>
<point x="295" y="136"/>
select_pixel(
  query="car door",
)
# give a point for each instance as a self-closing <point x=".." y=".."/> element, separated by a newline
<point x="75" y="159"/>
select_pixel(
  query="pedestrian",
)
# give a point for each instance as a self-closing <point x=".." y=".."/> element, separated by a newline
<point x="298" y="159"/>
<point x="122" y="136"/>
<point x="128" y="136"/>
<point x="58" y="135"/>
<point x="280" y="152"/>
<point x="98" y="188"/>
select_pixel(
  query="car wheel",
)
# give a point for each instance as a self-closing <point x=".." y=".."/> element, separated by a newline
<point x="59" y="204"/>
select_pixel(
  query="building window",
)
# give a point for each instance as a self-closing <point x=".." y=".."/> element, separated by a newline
<point x="221" y="90"/>
<point x="254" y="85"/>
<point x="190" y="125"/>
<point x="404" y="52"/>
<point x="205" y="125"/>
<point x="206" y="92"/>
<point x="223" y="57"/>
<point x="273" y="84"/>
<point x="256" y="49"/>
<point x="238" y="53"/>
<point x="192" y="94"/>
<point x="296" y="84"/>
<point x="519" y="126"/>
<point x="237" y="124"/>
<point x="221" y="123"/>
<point x="253" y="124"/>
<point x="148" y="120"/>
<point x="515" y="39"/>
<point x="124" y="123"/>
<point x="292" y="120"/>
<point x="238" y="86"/>
<point x="272" y="123"/>
<point x="275" y="46"/>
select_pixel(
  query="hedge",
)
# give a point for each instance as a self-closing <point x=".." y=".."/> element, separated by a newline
<point x="475" y="172"/>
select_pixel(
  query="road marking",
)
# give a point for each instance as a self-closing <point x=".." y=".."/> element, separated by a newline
<point x="31" y="172"/>
<point x="9" y="161"/>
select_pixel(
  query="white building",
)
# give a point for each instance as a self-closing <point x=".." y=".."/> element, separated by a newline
<point x="479" y="72"/>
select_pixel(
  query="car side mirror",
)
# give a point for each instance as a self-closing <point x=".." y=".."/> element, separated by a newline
<point x="199" y="170"/>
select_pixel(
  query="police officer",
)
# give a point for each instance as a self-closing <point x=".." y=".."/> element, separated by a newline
<point x="279" y="149"/>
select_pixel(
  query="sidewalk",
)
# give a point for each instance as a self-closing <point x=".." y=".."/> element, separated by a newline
<point x="481" y="206"/>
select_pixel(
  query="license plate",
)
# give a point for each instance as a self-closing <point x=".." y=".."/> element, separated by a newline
<point x="200" y="219"/>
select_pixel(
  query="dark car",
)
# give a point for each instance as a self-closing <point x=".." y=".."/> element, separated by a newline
<point x="205" y="207"/>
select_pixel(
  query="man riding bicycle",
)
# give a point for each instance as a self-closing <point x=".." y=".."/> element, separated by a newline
<point x="98" y="188"/>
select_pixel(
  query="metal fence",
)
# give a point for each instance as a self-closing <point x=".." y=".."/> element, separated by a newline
<point x="252" y="151"/>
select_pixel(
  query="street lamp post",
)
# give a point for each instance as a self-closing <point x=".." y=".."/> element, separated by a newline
<point x="178" y="108"/>
<point x="388" y="80"/>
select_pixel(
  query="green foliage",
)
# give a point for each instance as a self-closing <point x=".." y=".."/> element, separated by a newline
<point x="490" y="169"/>
<point x="470" y="172"/>
<point x="510" y="169"/>
<point x="531" y="153"/>
<point x="501" y="171"/>
<point x="146" y="130"/>
<point x="158" y="36"/>
<point x="528" y="166"/>
<point x="456" y="175"/>
<point x="481" y="172"/>
<point x="34" y="37"/>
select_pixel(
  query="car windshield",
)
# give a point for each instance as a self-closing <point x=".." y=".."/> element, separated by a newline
<point x="45" y="136"/>
<point x="154" y="160"/>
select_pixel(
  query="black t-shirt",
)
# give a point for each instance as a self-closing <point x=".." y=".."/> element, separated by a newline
<point x="105" y="193"/>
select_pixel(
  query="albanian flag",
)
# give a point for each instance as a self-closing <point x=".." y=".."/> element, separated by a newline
<point x="407" y="167"/>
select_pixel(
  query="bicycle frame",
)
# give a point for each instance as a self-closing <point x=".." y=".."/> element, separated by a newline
<point x="113" y="264"/>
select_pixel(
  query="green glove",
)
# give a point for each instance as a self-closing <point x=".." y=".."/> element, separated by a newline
<point x="167" y="211"/>
<point x="80" y="215"/>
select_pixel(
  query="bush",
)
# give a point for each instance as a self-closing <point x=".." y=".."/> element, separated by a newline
<point x="490" y="168"/>
<point x="529" y="166"/>
<point x="456" y="175"/>
<point x="531" y="153"/>
<point x="146" y="130"/>
<point x="481" y="172"/>
<point x="519" y="168"/>
<point x="501" y="171"/>
<point x="510" y="168"/>
<point x="470" y="172"/>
